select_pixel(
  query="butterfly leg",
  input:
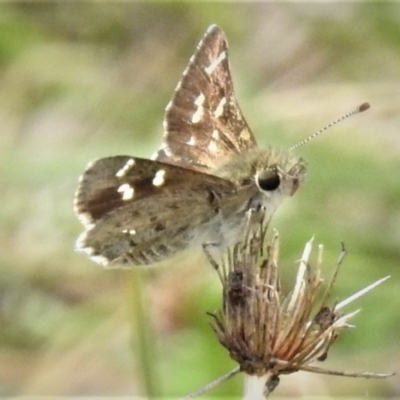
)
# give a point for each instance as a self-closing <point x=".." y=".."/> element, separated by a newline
<point x="208" y="250"/>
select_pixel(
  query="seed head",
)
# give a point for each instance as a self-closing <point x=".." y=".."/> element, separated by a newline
<point x="269" y="332"/>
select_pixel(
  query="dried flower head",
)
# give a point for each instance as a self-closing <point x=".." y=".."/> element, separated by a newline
<point x="268" y="332"/>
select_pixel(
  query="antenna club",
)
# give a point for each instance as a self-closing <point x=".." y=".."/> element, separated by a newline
<point x="364" y="107"/>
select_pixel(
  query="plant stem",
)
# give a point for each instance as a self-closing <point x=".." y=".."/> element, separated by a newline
<point x="255" y="386"/>
<point x="142" y="336"/>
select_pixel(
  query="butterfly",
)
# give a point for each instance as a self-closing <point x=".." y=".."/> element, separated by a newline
<point x="207" y="174"/>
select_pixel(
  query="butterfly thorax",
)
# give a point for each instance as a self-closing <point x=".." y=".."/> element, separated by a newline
<point x="284" y="174"/>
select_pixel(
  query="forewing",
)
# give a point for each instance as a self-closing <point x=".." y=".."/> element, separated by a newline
<point x="203" y="123"/>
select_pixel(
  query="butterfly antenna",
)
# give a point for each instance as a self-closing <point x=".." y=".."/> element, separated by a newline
<point x="357" y="110"/>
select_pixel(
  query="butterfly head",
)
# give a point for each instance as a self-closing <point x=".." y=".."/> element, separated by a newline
<point x="265" y="176"/>
<point x="278" y="174"/>
<point x="284" y="177"/>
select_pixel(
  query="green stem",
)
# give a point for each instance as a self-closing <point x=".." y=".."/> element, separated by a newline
<point x="142" y="336"/>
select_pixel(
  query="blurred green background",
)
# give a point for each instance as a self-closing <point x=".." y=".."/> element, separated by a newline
<point x="83" y="81"/>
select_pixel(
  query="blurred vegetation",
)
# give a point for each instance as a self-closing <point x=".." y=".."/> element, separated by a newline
<point x="79" y="81"/>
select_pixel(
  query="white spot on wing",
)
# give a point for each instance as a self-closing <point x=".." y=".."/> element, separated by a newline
<point x="130" y="231"/>
<point x="215" y="134"/>
<point x="198" y="114"/>
<point x="80" y="244"/>
<point x="159" y="178"/>
<point x="127" y="191"/>
<point x="178" y="86"/>
<point x="245" y="134"/>
<point x="191" y="141"/>
<point x="186" y="70"/>
<point x="90" y="164"/>
<point x="85" y="217"/>
<point x="123" y="171"/>
<point x="220" y="108"/>
<point x="164" y="149"/>
<point x="210" y="69"/>
<point x="169" y="105"/>
<point x="212" y="146"/>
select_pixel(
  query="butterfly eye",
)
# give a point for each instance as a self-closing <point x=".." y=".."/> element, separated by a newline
<point x="268" y="180"/>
